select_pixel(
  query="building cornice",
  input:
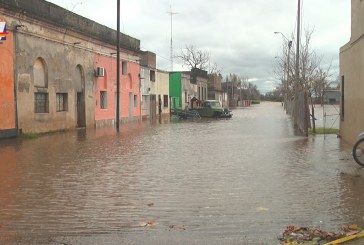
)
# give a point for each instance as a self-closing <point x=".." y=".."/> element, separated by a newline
<point x="52" y="14"/>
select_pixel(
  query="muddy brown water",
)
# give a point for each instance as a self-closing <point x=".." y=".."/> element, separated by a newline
<point x="231" y="180"/>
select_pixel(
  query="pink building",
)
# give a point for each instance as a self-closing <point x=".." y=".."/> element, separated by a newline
<point x="105" y="89"/>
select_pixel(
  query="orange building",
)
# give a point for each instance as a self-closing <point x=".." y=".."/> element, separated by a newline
<point x="7" y="98"/>
<point x="105" y="89"/>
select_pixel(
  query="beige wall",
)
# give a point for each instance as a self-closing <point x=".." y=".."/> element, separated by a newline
<point x="357" y="18"/>
<point x="162" y="88"/>
<point x="352" y="72"/>
<point x="189" y="90"/>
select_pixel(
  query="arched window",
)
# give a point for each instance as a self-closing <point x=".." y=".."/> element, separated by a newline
<point x="78" y="78"/>
<point x="40" y="73"/>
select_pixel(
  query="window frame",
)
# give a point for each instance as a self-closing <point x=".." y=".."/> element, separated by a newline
<point x="152" y="75"/>
<point x="165" y="100"/>
<point x="61" y="106"/>
<point x="124" y="68"/>
<point x="41" y="105"/>
<point x="103" y="100"/>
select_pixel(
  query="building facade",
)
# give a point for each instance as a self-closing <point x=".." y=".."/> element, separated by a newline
<point x="215" y="90"/>
<point x="106" y="92"/>
<point x="200" y="79"/>
<point x="175" y="90"/>
<point x="65" y="69"/>
<point x="352" y="77"/>
<point x="7" y="98"/>
<point x="162" y="88"/>
<point x="154" y="87"/>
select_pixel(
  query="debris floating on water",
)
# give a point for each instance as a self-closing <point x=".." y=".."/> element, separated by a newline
<point x="294" y="235"/>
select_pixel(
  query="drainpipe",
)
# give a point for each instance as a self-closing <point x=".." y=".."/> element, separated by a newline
<point x="15" y="41"/>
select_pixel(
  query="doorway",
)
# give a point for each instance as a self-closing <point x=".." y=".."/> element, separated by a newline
<point x="80" y="108"/>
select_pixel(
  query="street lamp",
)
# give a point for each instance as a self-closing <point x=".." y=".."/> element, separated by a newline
<point x="289" y="44"/>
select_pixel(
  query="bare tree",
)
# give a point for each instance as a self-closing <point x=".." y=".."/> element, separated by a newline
<point x="284" y="69"/>
<point x="201" y="59"/>
<point x="313" y="77"/>
<point x="195" y="58"/>
<point x="214" y="69"/>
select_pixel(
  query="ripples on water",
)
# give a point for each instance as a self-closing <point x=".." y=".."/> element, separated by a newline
<point x="248" y="176"/>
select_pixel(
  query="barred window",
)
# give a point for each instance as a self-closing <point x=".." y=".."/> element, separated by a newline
<point x="41" y="103"/>
<point x="103" y="99"/>
<point x="61" y="102"/>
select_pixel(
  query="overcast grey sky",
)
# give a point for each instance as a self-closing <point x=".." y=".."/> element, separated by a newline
<point x="237" y="33"/>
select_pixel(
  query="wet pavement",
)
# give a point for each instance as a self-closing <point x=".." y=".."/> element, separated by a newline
<point x="232" y="181"/>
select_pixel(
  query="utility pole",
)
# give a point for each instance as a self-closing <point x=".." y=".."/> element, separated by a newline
<point x="118" y="67"/>
<point x="171" y="51"/>
<point x="298" y="43"/>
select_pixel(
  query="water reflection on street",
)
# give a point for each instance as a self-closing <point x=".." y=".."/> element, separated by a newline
<point x="247" y="177"/>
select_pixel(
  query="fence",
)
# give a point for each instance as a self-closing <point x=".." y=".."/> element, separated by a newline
<point x="331" y="110"/>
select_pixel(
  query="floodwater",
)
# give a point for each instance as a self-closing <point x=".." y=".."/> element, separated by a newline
<point x="231" y="181"/>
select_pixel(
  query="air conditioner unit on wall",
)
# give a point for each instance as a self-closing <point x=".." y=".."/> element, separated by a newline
<point x="100" y="71"/>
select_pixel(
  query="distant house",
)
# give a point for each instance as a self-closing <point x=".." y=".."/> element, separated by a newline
<point x="352" y="77"/>
<point x="187" y="85"/>
<point x="331" y="96"/>
<point x="181" y="90"/>
<point x="147" y="87"/>
<point x="215" y="91"/>
<point x="154" y="87"/>
<point x="163" y="92"/>
<point x="232" y="91"/>
<point x="200" y="78"/>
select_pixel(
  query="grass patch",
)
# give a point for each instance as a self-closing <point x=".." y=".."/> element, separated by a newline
<point x="324" y="131"/>
<point x="30" y="136"/>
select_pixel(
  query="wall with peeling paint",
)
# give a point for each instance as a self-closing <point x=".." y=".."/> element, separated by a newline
<point x="7" y="100"/>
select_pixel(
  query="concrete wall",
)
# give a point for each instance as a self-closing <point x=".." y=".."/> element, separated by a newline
<point x="162" y="89"/>
<point x="130" y="93"/>
<point x="7" y="100"/>
<point x="60" y="65"/>
<point x="352" y="73"/>
<point x="106" y="83"/>
<point x="189" y="90"/>
<point x="148" y="59"/>
<point x="159" y="87"/>
<point x="357" y="19"/>
<point x="145" y="90"/>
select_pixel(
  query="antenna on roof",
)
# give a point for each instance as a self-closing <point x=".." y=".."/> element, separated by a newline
<point x="171" y="51"/>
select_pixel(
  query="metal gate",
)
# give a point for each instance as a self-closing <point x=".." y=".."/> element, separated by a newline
<point x="331" y="109"/>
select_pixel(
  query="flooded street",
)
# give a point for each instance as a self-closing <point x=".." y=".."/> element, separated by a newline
<point x="232" y="181"/>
